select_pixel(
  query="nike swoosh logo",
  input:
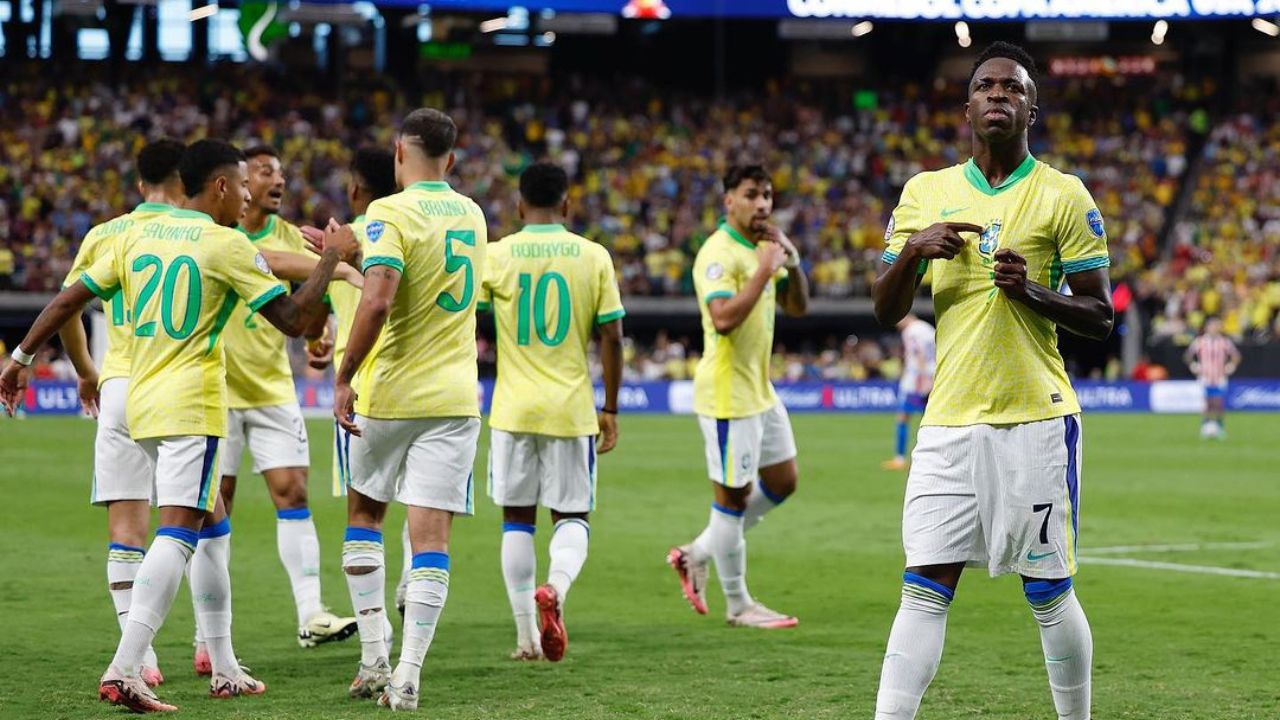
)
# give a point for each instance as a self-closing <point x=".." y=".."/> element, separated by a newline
<point x="419" y="623"/>
<point x="948" y="212"/>
<point x="1064" y="658"/>
<point x="366" y="593"/>
<point x="1032" y="557"/>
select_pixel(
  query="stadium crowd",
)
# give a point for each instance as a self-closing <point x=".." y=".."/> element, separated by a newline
<point x="645" y="162"/>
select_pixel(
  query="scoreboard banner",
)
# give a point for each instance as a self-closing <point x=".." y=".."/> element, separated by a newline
<point x="878" y="396"/>
<point x="877" y="9"/>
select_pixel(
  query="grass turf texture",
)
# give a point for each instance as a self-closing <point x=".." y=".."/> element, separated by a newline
<point x="1167" y="645"/>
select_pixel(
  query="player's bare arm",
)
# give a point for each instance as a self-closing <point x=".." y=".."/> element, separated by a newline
<point x="348" y="246"/>
<point x="795" y="300"/>
<point x="1087" y="311"/>
<point x="728" y="313"/>
<point x="293" y="314"/>
<point x="76" y="344"/>
<point x="611" y="358"/>
<point x="296" y="267"/>
<point x="65" y="305"/>
<point x="895" y="288"/>
<point x="381" y="283"/>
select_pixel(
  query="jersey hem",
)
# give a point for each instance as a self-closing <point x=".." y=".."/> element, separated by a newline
<point x="1004" y="420"/>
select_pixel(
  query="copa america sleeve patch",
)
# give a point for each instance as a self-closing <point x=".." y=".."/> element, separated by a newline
<point x="374" y="230"/>
<point x="715" y="271"/>
<point x="261" y="263"/>
<point x="888" y="231"/>
<point x="1094" y="218"/>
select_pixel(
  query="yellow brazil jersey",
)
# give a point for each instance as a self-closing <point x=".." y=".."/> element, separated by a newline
<point x="343" y="299"/>
<point x="425" y="361"/>
<point x="96" y="244"/>
<point x="732" y="379"/>
<point x="258" y="370"/>
<point x="998" y="360"/>
<point x="548" y="288"/>
<point x="182" y="275"/>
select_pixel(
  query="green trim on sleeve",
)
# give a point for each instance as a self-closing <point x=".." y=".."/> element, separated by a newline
<point x="390" y="262"/>
<point x="610" y="317"/>
<point x="104" y="293"/>
<point x="717" y="294"/>
<point x="1085" y="264"/>
<point x="266" y="297"/>
<point x="888" y="257"/>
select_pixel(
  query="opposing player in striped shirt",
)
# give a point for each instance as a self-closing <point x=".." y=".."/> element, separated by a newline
<point x="1213" y="358"/>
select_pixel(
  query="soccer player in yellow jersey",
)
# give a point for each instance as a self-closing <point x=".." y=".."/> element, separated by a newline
<point x="995" y="476"/>
<point x="413" y="415"/>
<point x="181" y="273"/>
<point x="549" y="290"/>
<point x="122" y="474"/>
<point x="265" y="416"/>
<point x="744" y="271"/>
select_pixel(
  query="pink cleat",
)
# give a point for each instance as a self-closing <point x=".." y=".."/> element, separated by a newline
<point x="693" y="577"/>
<point x="555" y="640"/>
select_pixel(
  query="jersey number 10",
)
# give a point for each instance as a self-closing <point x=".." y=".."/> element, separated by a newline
<point x="532" y="309"/>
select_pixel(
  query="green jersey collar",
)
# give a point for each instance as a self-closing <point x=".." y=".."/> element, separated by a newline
<point x="359" y="218"/>
<point x="189" y="214"/>
<point x="979" y="181"/>
<point x="265" y="231"/>
<point x="431" y="185"/>
<point x="153" y="207"/>
<point x="549" y="228"/>
<point x="737" y="236"/>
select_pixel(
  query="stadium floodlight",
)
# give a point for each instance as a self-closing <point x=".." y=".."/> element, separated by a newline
<point x="862" y="28"/>
<point x="202" y="12"/>
<point x="1266" y="27"/>
<point x="1159" y="31"/>
<point x="962" y="34"/>
<point x="494" y="24"/>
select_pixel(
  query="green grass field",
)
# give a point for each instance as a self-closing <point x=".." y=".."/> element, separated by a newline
<point x="1167" y="644"/>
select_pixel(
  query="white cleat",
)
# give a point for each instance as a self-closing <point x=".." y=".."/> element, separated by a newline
<point x="527" y="654"/>
<point x="405" y="698"/>
<point x="229" y="686"/>
<point x="130" y="692"/>
<point x="325" y="627"/>
<point x="759" y="616"/>
<point x="371" y="680"/>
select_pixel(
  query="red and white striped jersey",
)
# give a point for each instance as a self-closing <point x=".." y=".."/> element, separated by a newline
<point x="1214" y="353"/>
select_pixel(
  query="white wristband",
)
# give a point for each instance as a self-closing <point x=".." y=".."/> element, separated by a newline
<point x="22" y="358"/>
<point x="793" y="261"/>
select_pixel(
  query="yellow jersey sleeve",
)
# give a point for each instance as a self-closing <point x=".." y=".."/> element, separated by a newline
<point x="608" y="299"/>
<point x="1082" y="238"/>
<point x="245" y="270"/>
<point x="383" y="245"/>
<point x="907" y="220"/>
<point x="716" y="274"/>
<point x="102" y="277"/>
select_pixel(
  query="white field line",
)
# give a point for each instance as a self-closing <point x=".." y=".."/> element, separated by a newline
<point x="1179" y="567"/>
<point x="1183" y="547"/>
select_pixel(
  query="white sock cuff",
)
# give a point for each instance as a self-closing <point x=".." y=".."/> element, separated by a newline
<point x="214" y="624"/>
<point x="431" y="593"/>
<point x="123" y="562"/>
<point x="571" y="523"/>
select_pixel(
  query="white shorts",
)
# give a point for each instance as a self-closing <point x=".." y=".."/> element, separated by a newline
<point x="121" y="470"/>
<point x="1004" y="497"/>
<point x="556" y="472"/>
<point x="737" y="448"/>
<point x="423" y="462"/>
<point x="186" y="470"/>
<point x="276" y="435"/>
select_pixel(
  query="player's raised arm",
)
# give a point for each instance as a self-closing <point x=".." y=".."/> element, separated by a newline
<point x="727" y="313"/>
<point x="795" y="298"/>
<point x="293" y="314"/>
<point x="65" y="305"/>
<point x="297" y="267"/>
<point x="895" y="288"/>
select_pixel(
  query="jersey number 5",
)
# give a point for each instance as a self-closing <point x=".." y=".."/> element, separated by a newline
<point x="452" y="264"/>
<point x="532" y="309"/>
<point x="181" y="265"/>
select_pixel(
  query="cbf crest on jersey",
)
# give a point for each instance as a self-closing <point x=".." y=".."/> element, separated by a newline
<point x="990" y="238"/>
<point x="374" y="230"/>
<point x="1094" y="218"/>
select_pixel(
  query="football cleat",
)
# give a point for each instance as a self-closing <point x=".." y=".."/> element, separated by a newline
<point x="201" y="661"/>
<point x="227" y="686"/>
<point x="894" y="464"/>
<point x="693" y="577"/>
<point x="555" y="640"/>
<point x="371" y="680"/>
<point x="131" y="693"/>
<point x="759" y="616"/>
<point x="405" y="698"/>
<point x="151" y="676"/>
<point x="325" y="627"/>
<point x="529" y="654"/>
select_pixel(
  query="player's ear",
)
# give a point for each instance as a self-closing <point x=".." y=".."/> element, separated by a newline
<point x="520" y="208"/>
<point x="1031" y="117"/>
<point x="449" y="165"/>
<point x="564" y="208"/>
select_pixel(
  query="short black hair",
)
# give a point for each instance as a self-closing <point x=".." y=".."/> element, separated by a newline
<point x="736" y="174"/>
<point x="544" y="185"/>
<point x="1009" y="51"/>
<point x="203" y="159"/>
<point x="256" y="150"/>
<point x="431" y="129"/>
<point x="377" y="170"/>
<point x="158" y="160"/>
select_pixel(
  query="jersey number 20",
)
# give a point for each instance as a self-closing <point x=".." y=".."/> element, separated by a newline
<point x="181" y="265"/>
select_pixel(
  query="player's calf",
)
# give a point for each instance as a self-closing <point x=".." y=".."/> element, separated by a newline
<point x="915" y="643"/>
<point x="1067" y="642"/>
<point x="363" y="561"/>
